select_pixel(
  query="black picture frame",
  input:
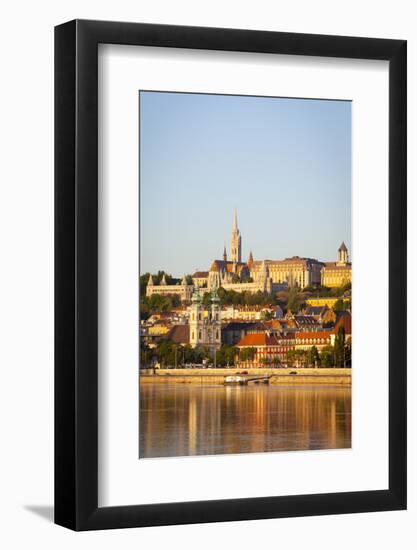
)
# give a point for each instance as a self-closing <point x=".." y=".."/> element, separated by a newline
<point x="76" y="273"/>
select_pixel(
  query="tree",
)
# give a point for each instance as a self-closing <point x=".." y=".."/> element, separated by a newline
<point x="225" y="356"/>
<point x="313" y="357"/>
<point x="297" y="357"/>
<point x="165" y="352"/>
<point x="157" y="303"/>
<point x="339" y="347"/>
<point x="267" y="315"/>
<point x="247" y="354"/>
<point x="229" y="297"/>
<point x="276" y="361"/>
<point x="341" y="305"/>
<point x="146" y="355"/>
<point x="327" y="357"/>
<point x="294" y="302"/>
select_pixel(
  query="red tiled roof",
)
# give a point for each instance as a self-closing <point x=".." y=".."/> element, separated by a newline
<point x="200" y="274"/>
<point x="180" y="334"/>
<point x="259" y="339"/>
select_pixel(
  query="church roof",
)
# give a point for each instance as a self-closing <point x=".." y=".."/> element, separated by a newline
<point x="221" y="265"/>
<point x="342" y="247"/>
<point x="200" y="274"/>
<point x="179" y="334"/>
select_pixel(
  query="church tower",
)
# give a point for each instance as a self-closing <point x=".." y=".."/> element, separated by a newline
<point x="342" y="255"/>
<point x="215" y="328"/>
<point x="235" y="242"/>
<point x="196" y="319"/>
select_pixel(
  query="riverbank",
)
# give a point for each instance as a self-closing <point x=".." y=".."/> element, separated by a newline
<point x="278" y="376"/>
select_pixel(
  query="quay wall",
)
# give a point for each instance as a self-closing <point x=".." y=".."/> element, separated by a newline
<point x="279" y="376"/>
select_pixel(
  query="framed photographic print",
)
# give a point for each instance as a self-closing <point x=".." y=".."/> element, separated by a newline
<point x="230" y="275"/>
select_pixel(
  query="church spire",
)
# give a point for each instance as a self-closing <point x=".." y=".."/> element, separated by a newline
<point x="250" y="260"/>
<point x="235" y="242"/>
<point x="224" y="254"/>
<point x="235" y="221"/>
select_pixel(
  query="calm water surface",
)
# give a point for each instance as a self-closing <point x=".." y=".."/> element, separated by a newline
<point x="180" y="420"/>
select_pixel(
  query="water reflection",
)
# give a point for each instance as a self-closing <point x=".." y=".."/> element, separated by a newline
<point x="179" y="420"/>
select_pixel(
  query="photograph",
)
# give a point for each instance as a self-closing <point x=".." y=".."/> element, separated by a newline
<point x="245" y="274"/>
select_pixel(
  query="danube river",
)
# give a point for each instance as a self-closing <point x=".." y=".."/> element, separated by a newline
<point x="182" y="420"/>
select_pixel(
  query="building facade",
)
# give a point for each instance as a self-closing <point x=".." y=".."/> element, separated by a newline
<point x="322" y="301"/>
<point x="292" y="272"/>
<point x="266" y="276"/>
<point x="200" y="278"/>
<point x="269" y="348"/>
<point x="184" y="290"/>
<point x="339" y="273"/>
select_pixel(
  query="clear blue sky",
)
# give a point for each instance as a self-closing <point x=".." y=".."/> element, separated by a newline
<point x="285" y="164"/>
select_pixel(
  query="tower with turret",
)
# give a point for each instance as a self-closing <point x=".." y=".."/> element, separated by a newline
<point x="196" y="319"/>
<point x="342" y="255"/>
<point x="215" y="323"/>
<point x="235" y="242"/>
<point x="205" y="324"/>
